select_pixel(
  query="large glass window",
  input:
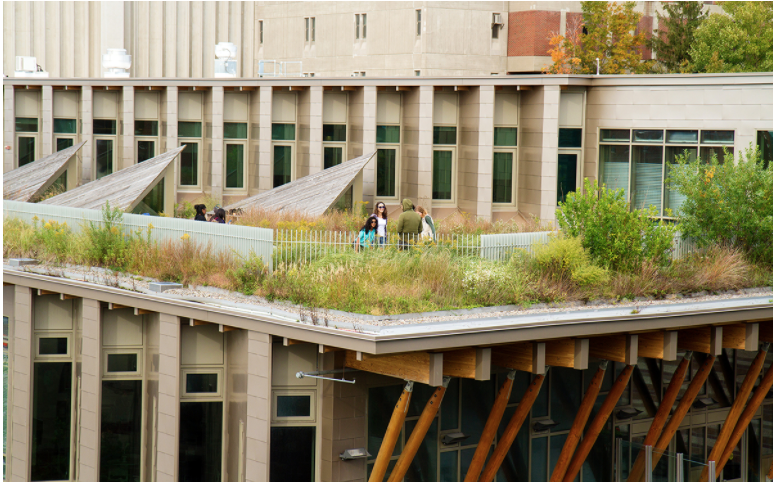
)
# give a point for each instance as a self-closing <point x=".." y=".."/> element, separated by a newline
<point x="26" y="150"/>
<point x="153" y="203"/>
<point x="282" y="132"/>
<point x="765" y="145"/>
<point x="189" y="129"/>
<point x="442" y="174"/>
<point x="26" y="124"/>
<point x="293" y="406"/>
<point x="104" y="127"/>
<point x="189" y="164"/>
<point x="334" y="132"/>
<point x="282" y="164"/>
<point x="145" y="128"/>
<point x="51" y="414"/>
<point x="388" y="134"/>
<point x="121" y="434"/>
<point x="234" y="166"/>
<point x="386" y="173"/>
<point x="567" y="175"/>
<point x="104" y="157"/>
<point x="201" y="442"/>
<point x="65" y="126"/>
<point x="333" y="156"/>
<point x="503" y="177"/>
<point x="505" y="136"/>
<point x="613" y="166"/>
<point x="444" y="135"/>
<point x="292" y="453"/>
<point x="648" y="176"/>
<point x="673" y="199"/>
<point x="145" y="150"/>
<point x="235" y="130"/>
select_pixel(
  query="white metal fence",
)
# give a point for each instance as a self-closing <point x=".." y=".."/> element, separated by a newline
<point x="500" y="247"/>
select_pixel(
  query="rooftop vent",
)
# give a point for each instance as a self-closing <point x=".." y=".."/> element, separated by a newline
<point x="225" y="63"/>
<point x="28" y="67"/>
<point x="116" y="63"/>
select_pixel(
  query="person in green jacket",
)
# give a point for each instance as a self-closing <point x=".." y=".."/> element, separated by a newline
<point x="409" y="223"/>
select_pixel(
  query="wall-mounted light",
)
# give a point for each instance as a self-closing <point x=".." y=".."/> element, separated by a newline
<point x="544" y="425"/>
<point x="627" y="413"/>
<point x="354" y="454"/>
<point x="452" y="438"/>
<point x="704" y="402"/>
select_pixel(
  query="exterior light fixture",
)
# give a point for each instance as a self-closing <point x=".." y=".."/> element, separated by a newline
<point x="354" y="454"/>
<point x="452" y="438"/>
<point x="627" y="413"/>
<point x="544" y="425"/>
<point x="704" y="402"/>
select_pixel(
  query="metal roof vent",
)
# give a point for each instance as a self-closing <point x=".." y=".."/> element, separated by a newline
<point x="225" y="63"/>
<point x="28" y="67"/>
<point x="116" y="63"/>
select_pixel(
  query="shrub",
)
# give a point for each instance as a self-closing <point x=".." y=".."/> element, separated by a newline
<point x="590" y="275"/>
<point x="107" y="244"/>
<point x="249" y="276"/>
<point x="729" y="203"/>
<point x="564" y="258"/>
<point x="615" y="236"/>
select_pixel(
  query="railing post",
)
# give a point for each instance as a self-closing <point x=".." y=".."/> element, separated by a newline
<point x="712" y="470"/>
<point x="648" y="463"/>
<point x="680" y="467"/>
<point x="619" y="459"/>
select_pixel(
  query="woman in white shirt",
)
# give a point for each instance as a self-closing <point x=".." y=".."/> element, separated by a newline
<point x="380" y="213"/>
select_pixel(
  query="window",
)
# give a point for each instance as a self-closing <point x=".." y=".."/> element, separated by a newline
<point x="104" y="127"/>
<point x="503" y="177"/>
<point x="390" y="134"/>
<point x="333" y="156"/>
<point x="234" y="166"/>
<point x="52" y="346"/>
<point x="386" y="173"/>
<point x="311" y="23"/>
<point x="201" y="441"/>
<point x="308" y="26"/>
<point x="334" y="132"/>
<point x="104" y="157"/>
<point x="189" y="164"/>
<point x="570" y="138"/>
<point x="260" y="31"/>
<point x="145" y="150"/>
<point x="153" y="202"/>
<point x="364" y="25"/>
<point x="445" y="135"/>
<point x="64" y="143"/>
<point x="442" y="175"/>
<point x="418" y="22"/>
<point x="122" y="362"/>
<point x="65" y="126"/>
<point x="235" y="130"/>
<point x="360" y="29"/>
<point x="765" y="145"/>
<point x="26" y="124"/>
<point x="282" y="132"/>
<point x="26" y="150"/>
<point x="505" y="136"/>
<point x="51" y="416"/>
<point x="417" y="73"/>
<point x="282" y="165"/>
<point x="189" y="129"/>
<point x="294" y="406"/>
<point x="121" y="430"/>
<point x="293" y="453"/>
<point x="145" y="128"/>
<point x="356" y="25"/>
<point x="496" y="18"/>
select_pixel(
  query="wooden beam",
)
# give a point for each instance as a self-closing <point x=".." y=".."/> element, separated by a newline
<point x="759" y="395"/>
<point x="742" y="336"/>
<point x="46" y="292"/>
<point x="461" y="88"/>
<point x="197" y="88"/>
<point x="67" y="87"/>
<point x="198" y="322"/>
<point x="289" y="342"/>
<point x="418" y="433"/>
<point x="707" y="339"/>
<point x="735" y="411"/>
<point x="508" y="436"/>
<point x="766" y="331"/>
<point x="223" y="328"/>
<point x="348" y="87"/>
<point x="402" y="88"/>
<point x="472" y="363"/>
<point x="619" y="348"/>
<point x="414" y="366"/>
<point x="140" y="311"/>
<point x="438" y="88"/>
<point x="392" y="433"/>
<point x="298" y="87"/>
<point x="580" y="419"/>
<point x="598" y="424"/>
<point x="381" y="88"/>
<point x="116" y="306"/>
<point x="567" y="353"/>
<point x="770" y="470"/>
<point x="662" y="415"/>
<point x="490" y="429"/>
<point x="63" y="297"/>
<point x="519" y="356"/>
<point x="524" y="87"/>
<point x="658" y="344"/>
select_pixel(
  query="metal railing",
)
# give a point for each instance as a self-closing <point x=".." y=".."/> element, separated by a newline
<point x="500" y="247"/>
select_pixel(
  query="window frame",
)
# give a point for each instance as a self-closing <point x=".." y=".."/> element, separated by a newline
<point x="245" y="169"/>
<point x="260" y="32"/>
<point x="134" y="375"/>
<point x="514" y="203"/>
<point x="418" y="22"/>
<point x="105" y="137"/>
<point x="293" y="154"/>
<point x="35" y="150"/>
<point x="276" y="419"/>
<point x="53" y="334"/>
<point x="454" y="174"/>
<point x="186" y="396"/>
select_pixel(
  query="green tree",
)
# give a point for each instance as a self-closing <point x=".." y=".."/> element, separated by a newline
<point x="671" y="42"/>
<point x="728" y="203"/>
<point x="741" y="41"/>
<point x="608" y="32"/>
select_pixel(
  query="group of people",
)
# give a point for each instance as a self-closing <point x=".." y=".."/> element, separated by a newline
<point x="414" y="223"/>
<point x="218" y="215"/>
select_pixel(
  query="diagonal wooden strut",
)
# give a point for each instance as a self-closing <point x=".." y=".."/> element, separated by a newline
<point x="770" y="471"/>
<point x="392" y="433"/>
<point x="490" y="429"/>
<point x="506" y="440"/>
<point x="573" y="438"/>
<point x="736" y="409"/>
<point x="594" y="429"/>
<point x="662" y="415"/>
<point x="684" y="406"/>
<point x="759" y="395"/>
<point x="419" y="431"/>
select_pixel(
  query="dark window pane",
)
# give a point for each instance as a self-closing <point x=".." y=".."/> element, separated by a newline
<point x="63" y="143"/>
<point x="567" y="175"/>
<point x="189" y="129"/>
<point x="708" y="152"/>
<point x="51" y="410"/>
<point x="444" y="135"/>
<point x="569" y="137"/>
<point x="448" y="463"/>
<point x="145" y="128"/>
<point x="52" y="346"/>
<point x="282" y="165"/>
<point x="424" y="466"/>
<point x="717" y="137"/>
<point x="235" y="130"/>
<point x="687" y="137"/>
<point x="201" y="383"/>
<point x="647" y="136"/>
<point x="503" y="177"/>
<point x="442" y="165"/>
<point x="333" y="156"/>
<point x="515" y="467"/>
<point x="614" y="166"/>
<point x="477" y="400"/>
<point x="122" y="362"/>
<point x="673" y="199"/>
<point x="765" y="145"/>
<point x="386" y="167"/>
<point x="615" y="135"/>
<point x="153" y="203"/>
<point x="334" y="132"/>
<point x="59" y="186"/>
<point x="26" y="150"/>
<point x="26" y="124"/>
<point x="449" y="410"/>
<point x="381" y="403"/>
<point x="648" y="176"/>
<point x="539" y="457"/>
<point x="121" y="439"/>
<point x="234" y="166"/>
<point x="105" y="127"/>
<point x="145" y="150"/>
<point x="65" y="126"/>
<point x="189" y="163"/>
<point x="565" y="396"/>
<point x="201" y="441"/>
<point x="292" y="454"/>
<point x="505" y="136"/>
<point x="282" y="132"/>
<point x="293" y="406"/>
<point x="388" y="134"/>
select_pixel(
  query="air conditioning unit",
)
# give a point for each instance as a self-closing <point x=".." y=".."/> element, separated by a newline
<point x="497" y="19"/>
<point x="28" y="67"/>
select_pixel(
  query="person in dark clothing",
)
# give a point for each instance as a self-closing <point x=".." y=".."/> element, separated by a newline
<point x="409" y="223"/>
<point x="201" y="211"/>
<point x="219" y="216"/>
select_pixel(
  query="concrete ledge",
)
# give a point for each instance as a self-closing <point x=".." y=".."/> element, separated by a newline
<point x="161" y="286"/>
<point x="16" y="262"/>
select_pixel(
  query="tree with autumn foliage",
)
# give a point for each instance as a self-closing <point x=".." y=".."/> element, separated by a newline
<point x="608" y="32"/>
<point x="674" y="37"/>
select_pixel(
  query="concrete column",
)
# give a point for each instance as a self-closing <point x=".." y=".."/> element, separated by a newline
<point x="171" y="109"/>
<point x="369" y="142"/>
<point x="87" y="133"/>
<point x="549" y="157"/>
<point x="265" y="171"/>
<point x="90" y="395"/>
<point x="485" y="169"/>
<point x="316" y="159"/>
<point x="426" y="97"/>
<point x="47" y="118"/>
<point x="168" y="398"/>
<point x="217" y="142"/>
<point x="20" y="387"/>
<point x="258" y="406"/>
<point x="127" y="138"/>
<point x="9" y="128"/>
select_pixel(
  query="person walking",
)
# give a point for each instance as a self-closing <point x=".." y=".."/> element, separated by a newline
<point x="367" y="236"/>
<point x="427" y="225"/>
<point x="201" y="212"/>
<point x="380" y="212"/>
<point x="408" y="224"/>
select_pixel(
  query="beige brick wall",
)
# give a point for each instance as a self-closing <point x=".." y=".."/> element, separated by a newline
<point x="90" y="390"/>
<point x="258" y="406"/>
<point x="168" y="398"/>
<point x="20" y="386"/>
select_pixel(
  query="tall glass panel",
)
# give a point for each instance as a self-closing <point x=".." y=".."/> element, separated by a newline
<point x="449" y="410"/>
<point x="565" y="396"/>
<point x="333" y="156"/>
<point x="442" y="174"/>
<point x="448" y="465"/>
<point x="234" y="165"/>
<point x="189" y="164"/>
<point x="567" y="175"/>
<point x="765" y="145"/>
<point x="386" y="172"/>
<point x="556" y="444"/>
<point x="381" y="403"/>
<point x="121" y="439"/>
<point x="648" y="176"/>
<point x="539" y="459"/>
<point x="292" y="454"/>
<point x="673" y="199"/>
<point x="477" y="400"/>
<point x="503" y="177"/>
<point x="153" y="202"/>
<point x="51" y="413"/>
<point x="753" y="463"/>
<point x="613" y="166"/>
<point x="104" y="157"/>
<point x="388" y="134"/>
<point x="26" y="150"/>
<point x="145" y="150"/>
<point x="63" y="143"/>
<point x="516" y="463"/>
<point x="201" y="441"/>
<point x="65" y="126"/>
<point x="282" y="165"/>
<point x="424" y="466"/>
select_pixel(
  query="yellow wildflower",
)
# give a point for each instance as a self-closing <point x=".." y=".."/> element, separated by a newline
<point x="185" y="237"/>
<point x="150" y="226"/>
<point x="47" y="225"/>
<point x="114" y="230"/>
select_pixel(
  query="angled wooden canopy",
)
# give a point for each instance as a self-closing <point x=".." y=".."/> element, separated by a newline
<point x="28" y="182"/>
